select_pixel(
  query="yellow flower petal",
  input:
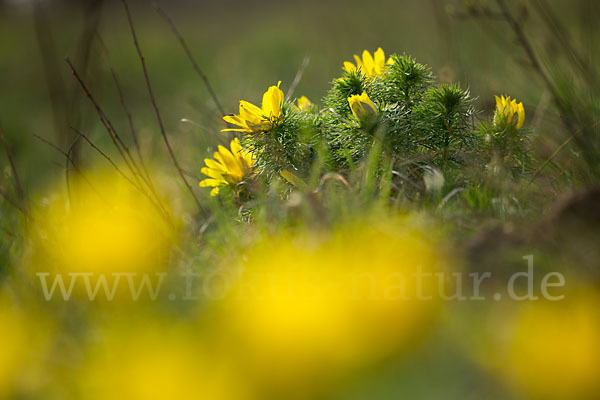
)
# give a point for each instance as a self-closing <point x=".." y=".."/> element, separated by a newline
<point x="359" y="63"/>
<point x="513" y="107"/>
<point x="368" y="63"/>
<point x="252" y="118"/>
<point x="248" y="130"/>
<point x="213" y="173"/>
<point x="272" y="101"/>
<point x="361" y="105"/>
<point x="210" y="183"/>
<point x="251" y="114"/>
<point x="250" y="109"/>
<point x="348" y="66"/>
<point x="498" y="102"/>
<point x="235" y="146"/>
<point x="226" y="158"/>
<point x="213" y="164"/>
<point x="235" y="120"/>
<point x="521" y="115"/>
<point x="237" y="151"/>
<point x="379" y="61"/>
<point x="304" y="103"/>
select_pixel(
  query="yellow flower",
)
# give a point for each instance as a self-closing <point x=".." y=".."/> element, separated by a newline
<point x="228" y="168"/>
<point x="362" y="106"/>
<point x="546" y="349"/>
<point x="12" y="356"/>
<point x="369" y="65"/>
<point x="304" y="104"/>
<point x="143" y="358"/>
<point x="252" y="118"/>
<point x="26" y="337"/>
<point x="554" y="353"/>
<point x="311" y="307"/>
<point x="110" y="228"/>
<point x="505" y="113"/>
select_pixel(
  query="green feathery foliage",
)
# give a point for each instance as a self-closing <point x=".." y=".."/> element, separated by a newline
<point x="404" y="82"/>
<point x="390" y="117"/>
<point x="288" y="145"/>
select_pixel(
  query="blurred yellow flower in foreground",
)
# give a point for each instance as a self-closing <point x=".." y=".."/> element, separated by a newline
<point x="229" y="168"/>
<point x="506" y="109"/>
<point x="370" y="65"/>
<point x="555" y="352"/>
<point x="153" y="360"/>
<point x="13" y="333"/>
<point x="254" y="119"/>
<point x="548" y="350"/>
<point x="24" y="338"/>
<point x="311" y="308"/>
<point x="104" y="226"/>
<point x="361" y="105"/>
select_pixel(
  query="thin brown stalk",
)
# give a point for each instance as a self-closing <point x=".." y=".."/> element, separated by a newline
<point x="408" y="180"/>
<point x="549" y="160"/>
<point x="71" y="161"/>
<point x="155" y="203"/>
<point x="15" y="175"/>
<point x="545" y="11"/>
<point x="155" y="106"/>
<point x="114" y="136"/>
<point x="8" y="232"/>
<point x="106" y="157"/>
<point x="122" y="148"/>
<point x="56" y="86"/>
<point x="187" y="51"/>
<point x="191" y="175"/>
<point x="148" y="178"/>
<point x="298" y="77"/>
<point x="132" y="130"/>
<point x="92" y="13"/>
<point x="526" y="45"/>
<point x="337" y="177"/>
<point x="534" y="61"/>
<point x="10" y="201"/>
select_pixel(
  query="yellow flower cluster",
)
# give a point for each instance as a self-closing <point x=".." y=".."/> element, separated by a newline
<point x="371" y="65"/>
<point x="257" y="119"/>
<point x="506" y="109"/>
<point x="228" y="168"/>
